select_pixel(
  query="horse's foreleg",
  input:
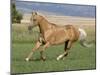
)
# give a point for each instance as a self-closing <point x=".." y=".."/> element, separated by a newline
<point x="31" y="53"/>
<point x="42" y="51"/>
<point x="67" y="46"/>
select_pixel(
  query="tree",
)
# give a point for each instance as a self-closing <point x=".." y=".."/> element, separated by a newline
<point x="16" y="16"/>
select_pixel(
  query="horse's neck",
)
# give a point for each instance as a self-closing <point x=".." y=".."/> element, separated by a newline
<point x="44" y="25"/>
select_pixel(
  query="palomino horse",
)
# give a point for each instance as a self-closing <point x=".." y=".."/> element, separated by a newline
<point x="51" y="34"/>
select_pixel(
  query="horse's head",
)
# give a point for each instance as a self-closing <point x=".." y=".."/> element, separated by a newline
<point x="33" y="21"/>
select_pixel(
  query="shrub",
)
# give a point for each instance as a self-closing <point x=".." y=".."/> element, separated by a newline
<point x="16" y="16"/>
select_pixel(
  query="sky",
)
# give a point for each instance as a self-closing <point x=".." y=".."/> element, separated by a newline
<point x="57" y="9"/>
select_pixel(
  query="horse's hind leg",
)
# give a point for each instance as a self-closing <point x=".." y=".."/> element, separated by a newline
<point x="31" y="53"/>
<point x="67" y="47"/>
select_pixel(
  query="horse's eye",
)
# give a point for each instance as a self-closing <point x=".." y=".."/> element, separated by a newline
<point x="34" y="19"/>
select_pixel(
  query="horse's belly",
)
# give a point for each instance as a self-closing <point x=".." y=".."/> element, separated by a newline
<point x="59" y="41"/>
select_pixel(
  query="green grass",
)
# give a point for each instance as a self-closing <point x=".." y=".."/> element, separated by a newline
<point x="79" y="57"/>
<point x="20" y="34"/>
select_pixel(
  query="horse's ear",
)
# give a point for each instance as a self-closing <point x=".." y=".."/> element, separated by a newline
<point x="34" y="13"/>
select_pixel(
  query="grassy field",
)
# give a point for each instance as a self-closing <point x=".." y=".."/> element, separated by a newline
<point x="79" y="57"/>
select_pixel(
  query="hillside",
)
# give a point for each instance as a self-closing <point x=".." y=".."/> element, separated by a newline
<point x="62" y="20"/>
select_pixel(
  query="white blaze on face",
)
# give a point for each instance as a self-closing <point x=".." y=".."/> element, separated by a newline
<point x="82" y="34"/>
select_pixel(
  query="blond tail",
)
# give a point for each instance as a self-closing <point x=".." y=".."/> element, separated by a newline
<point x="82" y="39"/>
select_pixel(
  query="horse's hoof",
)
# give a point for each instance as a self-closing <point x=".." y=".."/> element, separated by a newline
<point x="27" y="59"/>
<point x="44" y="58"/>
<point x="59" y="57"/>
